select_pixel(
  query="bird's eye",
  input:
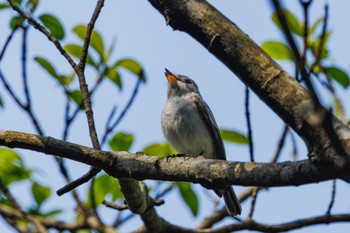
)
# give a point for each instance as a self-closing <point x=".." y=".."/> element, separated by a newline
<point x="188" y="81"/>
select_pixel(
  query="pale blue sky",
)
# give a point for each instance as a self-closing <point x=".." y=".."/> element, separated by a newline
<point x="139" y="31"/>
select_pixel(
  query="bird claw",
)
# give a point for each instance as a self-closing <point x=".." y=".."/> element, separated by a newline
<point x="185" y="156"/>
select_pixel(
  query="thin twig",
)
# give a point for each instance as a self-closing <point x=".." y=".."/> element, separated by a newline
<point x="7" y="42"/>
<point x="110" y="128"/>
<point x="10" y="91"/>
<point x="250" y="132"/>
<point x="108" y="123"/>
<point x="305" y="5"/>
<point x="24" y="67"/>
<point x="164" y="192"/>
<point x="320" y="48"/>
<point x="83" y="179"/>
<point x="89" y="31"/>
<point x="253" y="203"/>
<point x="280" y="144"/>
<point x="125" y="207"/>
<point x="331" y="203"/>
<point x="23" y="106"/>
<point x="28" y="104"/>
<point x="294" y="145"/>
<point x="115" y="206"/>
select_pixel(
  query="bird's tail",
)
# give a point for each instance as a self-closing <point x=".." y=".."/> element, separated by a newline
<point x="232" y="204"/>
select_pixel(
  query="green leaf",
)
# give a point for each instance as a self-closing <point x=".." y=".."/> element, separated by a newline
<point x="4" y="6"/>
<point x="315" y="44"/>
<point x="84" y="231"/>
<point x="278" y="50"/>
<point x="96" y="40"/>
<point x="338" y="75"/>
<point x="52" y="213"/>
<point x="121" y="141"/>
<point x="1" y="102"/>
<point x="12" y="168"/>
<point x="69" y="78"/>
<point x="105" y="185"/>
<point x="113" y="75"/>
<point x="339" y="110"/>
<point x="234" y="136"/>
<point x="40" y="193"/>
<point x="46" y="65"/>
<point x="132" y="66"/>
<point x="32" y="5"/>
<point x="188" y="196"/>
<point x="315" y="25"/>
<point x="76" y="50"/>
<point x="158" y="149"/>
<point x="53" y="25"/>
<point x="293" y="23"/>
<point x="77" y="97"/>
<point x="16" y="21"/>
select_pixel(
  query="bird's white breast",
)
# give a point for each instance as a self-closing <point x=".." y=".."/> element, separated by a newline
<point x="184" y="128"/>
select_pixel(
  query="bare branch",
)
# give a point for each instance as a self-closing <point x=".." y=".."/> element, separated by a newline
<point x="249" y="126"/>
<point x="253" y="203"/>
<point x="212" y="173"/>
<point x="7" y="42"/>
<point x="110" y="128"/>
<point x="331" y="203"/>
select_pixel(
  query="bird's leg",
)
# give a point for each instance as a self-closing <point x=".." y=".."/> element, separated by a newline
<point x="184" y="155"/>
<point x="176" y="155"/>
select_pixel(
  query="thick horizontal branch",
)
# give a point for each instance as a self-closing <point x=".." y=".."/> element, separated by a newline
<point x="211" y="173"/>
<point x="283" y="94"/>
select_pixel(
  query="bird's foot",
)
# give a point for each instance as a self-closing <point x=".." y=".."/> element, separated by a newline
<point x="186" y="156"/>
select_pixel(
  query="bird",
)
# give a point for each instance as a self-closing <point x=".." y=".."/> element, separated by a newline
<point x="189" y="125"/>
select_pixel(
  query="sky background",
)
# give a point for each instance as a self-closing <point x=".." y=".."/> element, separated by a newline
<point x="140" y="32"/>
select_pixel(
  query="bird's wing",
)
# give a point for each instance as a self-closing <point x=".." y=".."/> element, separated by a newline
<point x="209" y="121"/>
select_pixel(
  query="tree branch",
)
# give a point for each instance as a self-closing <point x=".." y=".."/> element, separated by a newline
<point x="211" y="173"/>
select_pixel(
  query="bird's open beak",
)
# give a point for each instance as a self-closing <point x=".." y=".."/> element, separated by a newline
<point x="170" y="77"/>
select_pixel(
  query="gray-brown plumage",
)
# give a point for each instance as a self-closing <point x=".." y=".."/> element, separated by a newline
<point x="190" y="127"/>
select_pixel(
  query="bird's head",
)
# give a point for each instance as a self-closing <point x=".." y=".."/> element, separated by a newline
<point x="179" y="85"/>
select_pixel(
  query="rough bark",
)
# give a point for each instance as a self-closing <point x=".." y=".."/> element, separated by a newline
<point x="210" y="173"/>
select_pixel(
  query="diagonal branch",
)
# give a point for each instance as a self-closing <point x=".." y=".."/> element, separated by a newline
<point x="43" y="30"/>
<point x="260" y="73"/>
